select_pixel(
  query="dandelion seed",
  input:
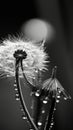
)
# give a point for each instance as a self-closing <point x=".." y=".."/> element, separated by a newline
<point x="35" y="60"/>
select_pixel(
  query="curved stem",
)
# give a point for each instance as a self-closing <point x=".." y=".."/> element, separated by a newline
<point x="22" y="99"/>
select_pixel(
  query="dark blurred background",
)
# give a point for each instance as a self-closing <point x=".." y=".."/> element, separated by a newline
<point x="60" y="14"/>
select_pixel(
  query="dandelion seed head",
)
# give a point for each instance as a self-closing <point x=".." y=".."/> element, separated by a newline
<point x="36" y="57"/>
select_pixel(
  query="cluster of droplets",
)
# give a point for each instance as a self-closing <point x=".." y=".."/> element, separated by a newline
<point x="16" y="90"/>
<point x="52" y="118"/>
<point x="17" y="97"/>
<point x="57" y="97"/>
<point x="43" y="112"/>
<point x="44" y="101"/>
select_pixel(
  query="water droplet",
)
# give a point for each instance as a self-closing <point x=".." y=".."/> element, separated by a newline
<point x="57" y="101"/>
<point x="8" y="75"/>
<point x="24" y="117"/>
<point x="37" y="94"/>
<point x="65" y="98"/>
<point x="46" y="98"/>
<point x="54" y="109"/>
<point x="17" y="98"/>
<point x="58" y="96"/>
<point x="16" y="89"/>
<point x="50" y="127"/>
<point x="43" y="111"/>
<point x="59" y="91"/>
<point x="17" y="95"/>
<point x="39" y="123"/>
<point x="31" y="107"/>
<point x="52" y="123"/>
<point x="15" y="84"/>
<point x="34" y="78"/>
<point x="44" y="101"/>
<point x="36" y="71"/>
